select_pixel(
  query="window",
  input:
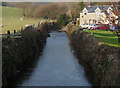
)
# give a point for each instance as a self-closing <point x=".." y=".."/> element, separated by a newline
<point x="85" y="13"/>
<point x="110" y="13"/>
<point x="97" y="13"/>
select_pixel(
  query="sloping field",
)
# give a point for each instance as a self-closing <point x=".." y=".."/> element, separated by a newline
<point x="11" y="19"/>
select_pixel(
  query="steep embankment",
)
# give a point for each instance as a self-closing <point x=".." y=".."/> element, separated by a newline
<point x="101" y="61"/>
<point x="16" y="53"/>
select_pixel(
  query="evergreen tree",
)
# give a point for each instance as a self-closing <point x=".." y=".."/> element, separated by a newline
<point x="63" y="19"/>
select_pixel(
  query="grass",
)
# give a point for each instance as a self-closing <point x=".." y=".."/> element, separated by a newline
<point x="11" y="19"/>
<point x="105" y="36"/>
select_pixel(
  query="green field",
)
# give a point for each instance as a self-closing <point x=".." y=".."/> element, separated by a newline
<point x="105" y="36"/>
<point x="11" y="19"/>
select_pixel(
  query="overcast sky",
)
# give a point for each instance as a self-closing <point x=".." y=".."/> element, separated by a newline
<point x="59" y="0"/>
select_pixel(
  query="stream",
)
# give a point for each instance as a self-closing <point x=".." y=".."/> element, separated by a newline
<point x="57" y="66"/>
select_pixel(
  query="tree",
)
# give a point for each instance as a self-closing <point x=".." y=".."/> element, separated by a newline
<point x="81" y="5"/>
<point x="63" y="19"/>
<point x="28" y="11"/>
<point x="113" y="17"/>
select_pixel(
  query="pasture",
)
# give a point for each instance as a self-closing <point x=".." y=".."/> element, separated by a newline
<point x="105" y="36"/>
<point x="13" y="19"/>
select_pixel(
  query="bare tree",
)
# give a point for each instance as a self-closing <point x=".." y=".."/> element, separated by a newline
<point x="113" y="17"/>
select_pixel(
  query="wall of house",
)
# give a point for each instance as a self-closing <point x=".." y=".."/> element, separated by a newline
<point x="92" y="16"/>
<point x="87" y="17"/>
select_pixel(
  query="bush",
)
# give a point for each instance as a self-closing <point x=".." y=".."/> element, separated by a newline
<point x="63" y="19"/>
<point x="102" y="60"/>
<point x="19" y="52"/>
<point x="47" y="26"/>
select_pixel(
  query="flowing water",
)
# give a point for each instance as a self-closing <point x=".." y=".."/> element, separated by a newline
<point x="57" y="66"/>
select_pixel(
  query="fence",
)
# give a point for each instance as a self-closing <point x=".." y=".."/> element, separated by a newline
<point x="13" y="35"/>
<point x="18" y="35"/>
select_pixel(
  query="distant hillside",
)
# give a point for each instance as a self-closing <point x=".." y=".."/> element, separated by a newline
<point x="11" y="19"/>
<point x="51" y="10"/>
<point x="8" y="12"/>
<point x="40" y="3"/>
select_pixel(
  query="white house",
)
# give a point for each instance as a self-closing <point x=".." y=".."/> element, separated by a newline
<point x="93" y="14"/>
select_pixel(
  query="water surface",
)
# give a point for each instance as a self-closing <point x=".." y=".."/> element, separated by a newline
<point x="57" y="66"/>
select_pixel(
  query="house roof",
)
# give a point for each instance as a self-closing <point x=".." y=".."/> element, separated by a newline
<point x="91" y="9"/>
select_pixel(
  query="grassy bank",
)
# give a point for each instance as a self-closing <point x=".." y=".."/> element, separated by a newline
<point x="11" y="19"/>
<point x="105" y="36"/>
<point x="18" y="52"/>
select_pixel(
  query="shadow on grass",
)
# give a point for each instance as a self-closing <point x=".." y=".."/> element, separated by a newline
<point x="109" y="40"/>
<point x="106" y="35"/>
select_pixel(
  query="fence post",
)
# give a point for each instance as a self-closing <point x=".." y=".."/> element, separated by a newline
<point x="8" y="32"/>
<point x="53" y="23"/>
<point x="33" y="25"/>
<point x="21" y="30"/>
<point x="14" y="31"/>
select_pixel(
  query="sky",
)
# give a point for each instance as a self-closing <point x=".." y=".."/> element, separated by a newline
<point x="60" y="0"/>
